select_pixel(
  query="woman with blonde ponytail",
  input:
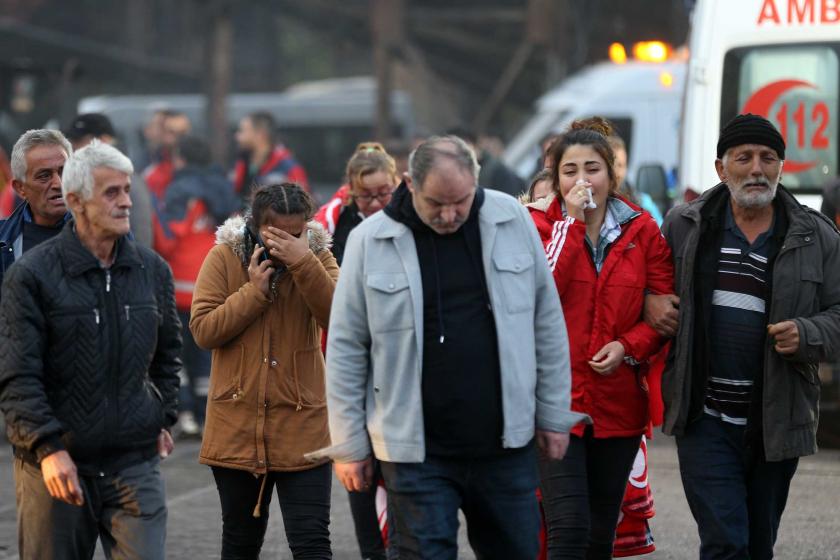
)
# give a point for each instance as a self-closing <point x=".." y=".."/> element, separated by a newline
<point x="371" y="178"/>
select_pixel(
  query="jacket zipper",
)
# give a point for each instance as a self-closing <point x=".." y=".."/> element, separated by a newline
<point x="112" y="340"/>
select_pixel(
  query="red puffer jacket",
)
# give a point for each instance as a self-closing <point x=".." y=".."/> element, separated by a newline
<point x="601" y="308"/>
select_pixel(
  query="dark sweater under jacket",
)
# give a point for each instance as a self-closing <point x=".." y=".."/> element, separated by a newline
<point x="461" y="385"/>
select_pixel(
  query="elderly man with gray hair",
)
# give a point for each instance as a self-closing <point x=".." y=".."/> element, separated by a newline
<point x="37" y="162"/>
<point x="447" y="359"/>
<point x="89" y="364"/>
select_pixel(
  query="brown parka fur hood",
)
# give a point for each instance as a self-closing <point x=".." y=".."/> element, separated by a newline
<point x="266" y="404"/>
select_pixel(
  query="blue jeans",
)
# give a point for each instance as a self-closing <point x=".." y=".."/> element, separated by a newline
<point x="193" y="392"/>
<point x="126" y="510"/>
<point x="496" y="494"/>
<point x="737" y="499"/>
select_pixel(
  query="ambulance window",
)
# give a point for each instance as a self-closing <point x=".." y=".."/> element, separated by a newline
<point x="796" y="87"/>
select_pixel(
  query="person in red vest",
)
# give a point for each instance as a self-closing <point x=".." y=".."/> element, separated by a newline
<point x="158" y="174"/>
<point x="263" y="160"/>
<point x="199" y="199"/>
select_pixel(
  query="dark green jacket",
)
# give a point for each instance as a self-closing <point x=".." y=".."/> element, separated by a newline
<point x="805" y="288"/>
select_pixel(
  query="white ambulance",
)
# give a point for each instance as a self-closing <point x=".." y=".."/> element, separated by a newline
<point x="776" y="58"/>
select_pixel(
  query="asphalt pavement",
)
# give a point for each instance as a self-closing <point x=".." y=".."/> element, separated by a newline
<point x="810" y="528"/>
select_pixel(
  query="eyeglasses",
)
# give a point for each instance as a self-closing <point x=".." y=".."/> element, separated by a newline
<point x="382" y="197"/>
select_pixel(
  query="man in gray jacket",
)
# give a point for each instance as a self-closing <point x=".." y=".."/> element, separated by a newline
<point x="758" y="286"/>
<point x="447" y="357"/>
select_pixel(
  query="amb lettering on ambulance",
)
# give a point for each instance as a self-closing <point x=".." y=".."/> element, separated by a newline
<point x="799" y="11"/>
<point x="776" y="58"/>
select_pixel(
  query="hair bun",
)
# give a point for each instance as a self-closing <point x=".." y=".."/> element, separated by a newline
<point x="370" y="147"/>
<point x="596" y="124"/>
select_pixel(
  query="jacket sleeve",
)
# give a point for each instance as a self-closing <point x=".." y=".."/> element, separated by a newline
<point x="217" y="316"/>
<point x="554" y="374"/>
<point x="166" y="363"/>
<point x="30" y="421"/>
<point x="819" y="334"/>
<point x="315" y="277"/>
<point x="642" y="341"/>
<point x="348" y="360"/>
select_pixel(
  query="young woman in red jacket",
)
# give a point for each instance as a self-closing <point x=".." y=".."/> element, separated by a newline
<point x="605" y="254"/>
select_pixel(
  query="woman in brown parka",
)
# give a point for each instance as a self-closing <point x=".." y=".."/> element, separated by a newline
<point x="261" y="299"/>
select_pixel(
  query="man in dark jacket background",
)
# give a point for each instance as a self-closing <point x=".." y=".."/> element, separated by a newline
<point x="493" y="173"/>
<point x="758" y="280"/>
<point x="37" y="163"/>
<point x="89" y="364"/>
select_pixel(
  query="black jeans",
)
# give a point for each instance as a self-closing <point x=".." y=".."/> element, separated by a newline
<point x="582" y="495"/>
<point x="737" y="499"/>
<point x="496" y="494"/>
<point x="304" y="498"/>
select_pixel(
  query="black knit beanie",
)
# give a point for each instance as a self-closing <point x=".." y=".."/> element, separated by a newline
<point x="750" y="129"/>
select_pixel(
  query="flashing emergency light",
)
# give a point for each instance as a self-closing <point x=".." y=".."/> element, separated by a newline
<point x="617" y="53"/>
<point x="666" y="79"/>
<point x="651" y="51"/>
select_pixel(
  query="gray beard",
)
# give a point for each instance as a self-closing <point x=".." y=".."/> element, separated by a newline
<point x="758" y="200"/>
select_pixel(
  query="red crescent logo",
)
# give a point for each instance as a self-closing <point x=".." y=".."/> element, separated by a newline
<point x="763" y="99"/>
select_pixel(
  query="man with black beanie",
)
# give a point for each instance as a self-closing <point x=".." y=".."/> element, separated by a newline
<point x="758" y="280"/>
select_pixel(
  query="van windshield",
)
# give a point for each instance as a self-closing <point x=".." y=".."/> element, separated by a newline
<point x="796" y="87"/>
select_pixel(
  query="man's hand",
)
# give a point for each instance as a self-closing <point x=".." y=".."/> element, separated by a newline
<point x="785" y="335"/>
<point x="662" y="313"/>
<point x="608" y="358"/>
<point x="61" y="478"/>
<point x="165" y="444"/>
<point x="552" y="444"/>
<point x="356" y="476"/>
<point x="284" y="246"/>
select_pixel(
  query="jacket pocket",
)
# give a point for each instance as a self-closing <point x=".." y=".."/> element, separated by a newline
<point x="157" y="400"/>
<point x="807" y="291"/>
<point x="389" y="303"/>
<point x="308" y="374"/>
<point x="226" y="374"/>
<point x="515" y="273"/>
<point x="804" y="394"/>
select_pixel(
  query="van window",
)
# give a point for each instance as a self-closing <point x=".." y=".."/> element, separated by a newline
<point x="796" y="87"/>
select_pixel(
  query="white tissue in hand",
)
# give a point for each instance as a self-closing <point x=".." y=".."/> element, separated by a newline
<point x="590" y="204"/>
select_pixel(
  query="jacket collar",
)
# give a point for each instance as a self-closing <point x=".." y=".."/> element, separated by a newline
<point x="232" y="234"/>
<point x="77" y="259"/>
<point x="12" y="226"/>
<point x="798" y="219"/>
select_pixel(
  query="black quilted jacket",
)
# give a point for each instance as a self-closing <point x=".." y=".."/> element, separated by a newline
<point x="89" y="357"/>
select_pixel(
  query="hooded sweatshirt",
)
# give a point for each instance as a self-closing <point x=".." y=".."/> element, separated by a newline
<point x="461" y="384"/>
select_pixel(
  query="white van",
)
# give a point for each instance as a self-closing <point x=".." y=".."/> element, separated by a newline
<point x="776" y="58"/>
<point x="321" y="121"/>
<point x="642" y="99"/>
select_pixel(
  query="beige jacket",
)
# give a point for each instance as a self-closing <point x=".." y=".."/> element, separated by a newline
<point x="266" y="404"/>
